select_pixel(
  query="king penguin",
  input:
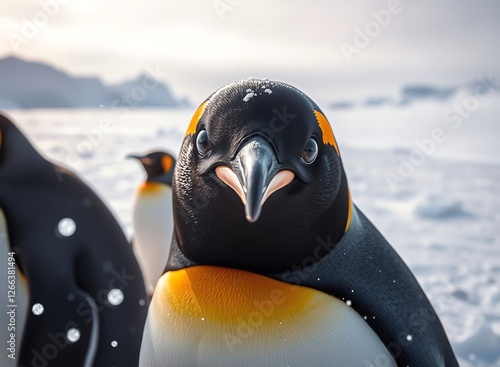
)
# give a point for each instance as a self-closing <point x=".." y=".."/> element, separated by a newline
<point x="87" y="300"/>
<point x="13" y="292"/>
<point x="271" y="263"/>
<point x="152" y="216"/>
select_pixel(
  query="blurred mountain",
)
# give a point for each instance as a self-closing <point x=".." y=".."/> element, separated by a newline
<point x="413" y="93"/>
<point x="25" y="84"/>
<point x="341" y="105"/>
<point x="408" y="94"/>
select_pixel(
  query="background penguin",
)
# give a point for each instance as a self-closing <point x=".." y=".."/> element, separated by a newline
<point x="152" y="218"/>
<point x="20" y="298"/>
<point x="268" y="246"/>
<point x="87" y="301"/>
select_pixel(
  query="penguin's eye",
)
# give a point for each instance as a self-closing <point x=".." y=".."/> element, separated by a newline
<point x="202" y="143"/>
<point x="310" y="152"/>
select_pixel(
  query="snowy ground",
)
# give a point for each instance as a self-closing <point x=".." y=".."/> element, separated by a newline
<point x="441" y="212"/>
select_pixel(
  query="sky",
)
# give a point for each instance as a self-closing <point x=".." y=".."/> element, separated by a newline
<point x="330" y="49"/>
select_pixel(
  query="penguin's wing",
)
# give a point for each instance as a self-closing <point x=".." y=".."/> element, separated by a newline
<point x="107" y="270"/>
<point x="118" y="288"/>
<point x="365" y="270"/>
<point x="62" y="323"/>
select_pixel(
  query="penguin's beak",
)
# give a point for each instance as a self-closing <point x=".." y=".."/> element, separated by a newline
<point x="254" y="175"/>
<point x="133" y="156"/>
<point x="144" y="160"/>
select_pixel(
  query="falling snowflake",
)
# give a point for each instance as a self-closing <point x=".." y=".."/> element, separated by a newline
<point x="66" y="227"/>
<point x="248" y="97"/>
<point x="114" y="343"/>
<point x="73" y="335"/>
<point x="115" y="297"/>
<point x="37" y="309"/>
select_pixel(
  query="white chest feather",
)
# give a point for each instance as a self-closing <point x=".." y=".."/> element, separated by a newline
<point x="153" y="227"/>
<point x="209" y="316"/>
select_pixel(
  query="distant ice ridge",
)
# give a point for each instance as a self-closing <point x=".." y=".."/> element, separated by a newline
<point x="440" y="207"/>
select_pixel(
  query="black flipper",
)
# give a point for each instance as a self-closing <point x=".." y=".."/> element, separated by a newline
<point x="364" y="269"/>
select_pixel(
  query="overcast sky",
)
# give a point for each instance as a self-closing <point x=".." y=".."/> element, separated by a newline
<point x="201" y="48"/>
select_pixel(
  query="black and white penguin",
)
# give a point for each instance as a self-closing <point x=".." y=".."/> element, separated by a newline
<point x="271" y="263"/>
<point x="152" y="216"/>
<point x="14" y="293"/>
<point x="87" y="300"/>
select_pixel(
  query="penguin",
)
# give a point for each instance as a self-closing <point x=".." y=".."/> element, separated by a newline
<point x="272" y="264"/>
<point x="13" y="291"/>
<point x="87" y="300"/>
<point x="153" y="217"/>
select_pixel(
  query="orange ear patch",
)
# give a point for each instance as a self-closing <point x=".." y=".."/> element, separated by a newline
<point x="326" y="129"/>
<point x="167" y="163"/>
<point x="196" y="117"/>
<point x="349" y="212"/>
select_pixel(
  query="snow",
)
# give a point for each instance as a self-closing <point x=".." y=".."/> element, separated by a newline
<point x="67" y="227"/>
<point x="115" y="297"/>
<point x="37" y="309"/>
<point x="249" y="96"/>
<point x="443" y="217"/>
<point x="73" y="335"/>
<point x="439" y="207"/>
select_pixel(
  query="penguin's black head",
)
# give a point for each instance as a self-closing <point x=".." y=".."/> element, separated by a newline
<point x="259" y="179"/>
<point x="18" y="158"/>
<point x="159" y="166"/>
